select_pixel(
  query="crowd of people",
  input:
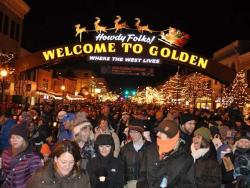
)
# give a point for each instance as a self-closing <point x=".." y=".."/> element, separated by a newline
<point x="123" y="145"/>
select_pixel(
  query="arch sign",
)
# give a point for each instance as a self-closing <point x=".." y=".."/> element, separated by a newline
<point x="138" y="46"/>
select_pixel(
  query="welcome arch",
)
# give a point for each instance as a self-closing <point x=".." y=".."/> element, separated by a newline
<point x="129" y="48"/>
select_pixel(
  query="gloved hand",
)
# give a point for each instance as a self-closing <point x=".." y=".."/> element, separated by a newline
<point x="102" y="174"/>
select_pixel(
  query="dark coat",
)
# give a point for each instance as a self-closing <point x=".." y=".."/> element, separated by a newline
<point x="48" y="178"/>
<point x="110" y="167"/>
<point x="177" y="167"/>
<point x="207" y="172"/>
<point x="132" y="160"/>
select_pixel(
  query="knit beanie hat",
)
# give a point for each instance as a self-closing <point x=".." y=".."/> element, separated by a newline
<point x="20" y="130"/>
<point x="104" y="139"/>
<point x="137" y="125"/>
<point x="169" y="127"/>
<point x="204" y="132"/>
<point x="186" y="117"/>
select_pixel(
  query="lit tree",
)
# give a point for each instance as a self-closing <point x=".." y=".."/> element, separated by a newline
<point x="148" y="96"/>
<point x="173" y="88"/>
<point x="226" y="99"/>
<point x="238" y="91"/>
<point x="197" y="86"/>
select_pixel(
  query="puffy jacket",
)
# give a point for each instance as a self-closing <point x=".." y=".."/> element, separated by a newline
<point x="177" y="168"/>
<point x="47" y="177"/>
<point x="132" y="160"/>
<point x="18" y="169"/>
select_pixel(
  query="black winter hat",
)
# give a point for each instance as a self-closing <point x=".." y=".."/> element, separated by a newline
<point x="137" y="125"/>
<point x="186" y="117"/>
<point x="104" y="139"/>
<point x="20" y="130"/>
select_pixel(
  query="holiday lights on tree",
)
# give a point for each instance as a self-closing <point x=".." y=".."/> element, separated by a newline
<point x="238" y="91"/>
<point x="197" y="86"/>
<point x="148" y="96"/>
<point x="174" y="89"/>
<point x="109" y="96"/>
<point x="226" y="99"/>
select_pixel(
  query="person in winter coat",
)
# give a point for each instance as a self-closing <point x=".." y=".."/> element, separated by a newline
<point x="187" y="126"/>
<point x="83" y="136"/>
<point x="132" y="152"/>
<point x="19" y="161"/>
<point x="64" y="132"/>
<point x="242" y="161"/>
<point x="105" y="128"/>
<point x="166" y="163"/>
<point x="105" y="171"/>
<point x="6" y="123"/>
<point x="61" y="171"/>
<point x="207" y="169"/>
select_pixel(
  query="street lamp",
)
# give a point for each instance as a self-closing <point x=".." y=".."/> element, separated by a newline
<point x="3" y="74"/>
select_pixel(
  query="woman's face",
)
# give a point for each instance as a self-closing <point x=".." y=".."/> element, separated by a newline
<point x="64" y="163"/>
<point x="16" y="141"/>
<point x="103" y="125"/>
<point x="104" y="150"/>
<point x="197" y="141"/>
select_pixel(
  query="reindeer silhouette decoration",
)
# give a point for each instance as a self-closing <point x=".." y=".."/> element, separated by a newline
<point x="99" y="28"/>
<point x="119" y="26"/>
<point x="141" y="28"/>
<point x="80" y="31"/>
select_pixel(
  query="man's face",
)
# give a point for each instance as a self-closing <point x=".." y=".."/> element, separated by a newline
<point x="189" y="127"/>
<point x="85" y="132"/>
<point x="243" y="143"/>
<point x="135" y="135"/>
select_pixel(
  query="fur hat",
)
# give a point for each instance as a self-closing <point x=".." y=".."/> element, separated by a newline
<point x="169" y="127"/>
<point x="137" y="125"/>
<point x="204" y="132"/>
<point x="20" y="130"/>
<point x="186" y="117"/>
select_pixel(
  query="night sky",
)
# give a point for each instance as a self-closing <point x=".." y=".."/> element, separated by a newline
<point x="211" y="24"/>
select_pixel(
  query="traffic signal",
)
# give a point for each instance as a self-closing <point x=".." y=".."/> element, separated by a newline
<point x="129" y="93"/>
